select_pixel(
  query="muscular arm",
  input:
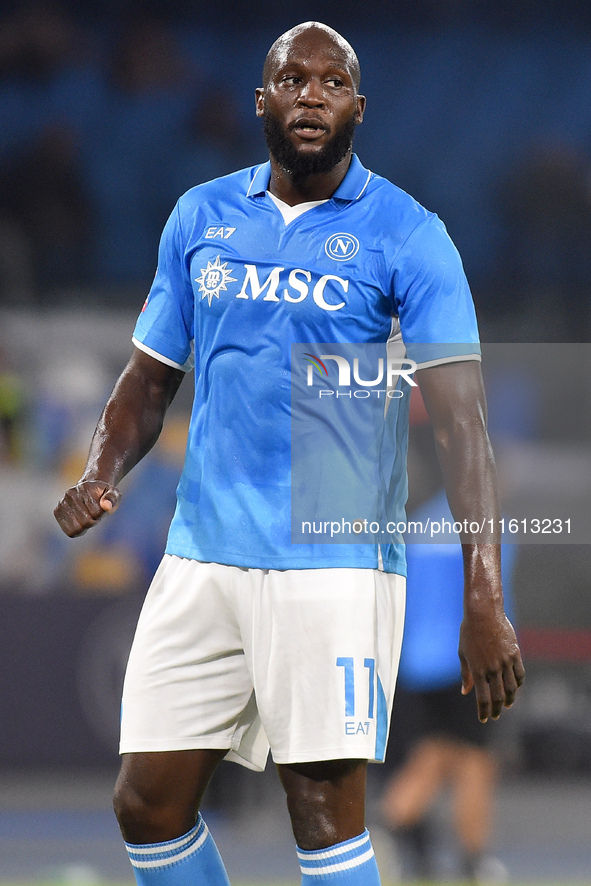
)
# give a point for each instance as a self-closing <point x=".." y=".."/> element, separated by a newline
<point x="127" y="429"/>
<point x="491" y="662"/>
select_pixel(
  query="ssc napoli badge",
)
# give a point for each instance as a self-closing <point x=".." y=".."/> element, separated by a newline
<point x="341" y="247"/>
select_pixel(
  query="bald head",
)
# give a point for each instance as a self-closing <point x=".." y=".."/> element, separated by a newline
<point x="307" y="32"/>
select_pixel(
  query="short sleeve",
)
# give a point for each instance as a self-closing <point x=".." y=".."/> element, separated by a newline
<point x="166" y="323"/>
<point x="433" y="298"/>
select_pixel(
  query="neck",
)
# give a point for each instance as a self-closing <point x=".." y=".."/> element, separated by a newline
<point x="320" y="186"/>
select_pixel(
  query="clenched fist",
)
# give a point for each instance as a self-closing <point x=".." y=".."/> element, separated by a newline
<point x="84" y="505"/>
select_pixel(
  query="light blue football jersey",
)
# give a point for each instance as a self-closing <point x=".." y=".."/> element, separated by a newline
<point x="238" y="286"/>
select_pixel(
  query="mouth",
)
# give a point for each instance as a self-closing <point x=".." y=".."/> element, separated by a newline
<point x="308" y="129"/>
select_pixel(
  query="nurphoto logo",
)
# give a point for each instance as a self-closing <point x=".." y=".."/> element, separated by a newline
<point x="390" y="370"/>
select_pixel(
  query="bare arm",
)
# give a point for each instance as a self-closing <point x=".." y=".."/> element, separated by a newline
<point x="489" y="654"/>
<point x="127" y="429"/>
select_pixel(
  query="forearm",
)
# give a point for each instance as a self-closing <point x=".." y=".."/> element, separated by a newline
<point x="469" y="473"/>
<point x="127" y="429"/>
<point x="469" y="476"/>
<point x="131" y="422"/>
<point x="470" y="481"/>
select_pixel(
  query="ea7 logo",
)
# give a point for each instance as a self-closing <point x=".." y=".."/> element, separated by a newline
<point x="218" y="231"/>
<point x="341" y="247"/>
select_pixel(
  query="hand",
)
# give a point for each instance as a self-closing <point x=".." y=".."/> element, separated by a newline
<point x="84" y="505"/>
<point x="491" y="663"/>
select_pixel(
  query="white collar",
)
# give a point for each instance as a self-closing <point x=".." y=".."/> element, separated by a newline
<point x="290" y="213"/>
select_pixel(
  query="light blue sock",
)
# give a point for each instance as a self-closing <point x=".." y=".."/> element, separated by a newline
<point x="351" y="863"/>
<point x="190" y="860"/>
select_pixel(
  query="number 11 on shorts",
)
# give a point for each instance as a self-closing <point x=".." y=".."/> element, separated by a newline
<point x="348" y="665"/>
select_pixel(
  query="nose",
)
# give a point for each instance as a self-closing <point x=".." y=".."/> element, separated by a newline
<point x="311" y="94"/>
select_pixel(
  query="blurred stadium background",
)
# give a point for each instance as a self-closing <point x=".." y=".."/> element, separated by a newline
<point x="108" y="111"/>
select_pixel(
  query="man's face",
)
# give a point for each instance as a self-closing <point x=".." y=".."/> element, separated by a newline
<point x="309" y="105"/>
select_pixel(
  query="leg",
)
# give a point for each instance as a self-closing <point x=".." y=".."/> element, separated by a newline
<point x="412" y="791"/>
<point x="156" y="802"/>
<point x="186" y="678"/>
<point x="408" y="797"/>
<point x="474" y="781"/>
<point x="324" y="679"/>
<point x="157" y="795"/>
<point x="326" y="803"/>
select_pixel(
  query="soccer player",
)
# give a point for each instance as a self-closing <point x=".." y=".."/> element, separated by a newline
<point x="245" y="640"/>
<point x="435" y="735"/>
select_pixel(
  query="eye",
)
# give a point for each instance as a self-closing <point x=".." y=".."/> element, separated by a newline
<point x="291" y="79"/>
<point x="335" y="82"/>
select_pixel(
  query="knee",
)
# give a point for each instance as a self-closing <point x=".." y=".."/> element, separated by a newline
<point x="326" y="801"/>
<point x="132" y="810"/>
<point x="477" y="765"/>
<point x="157" y="794"/>
<point x="144" y="818"/>
<point x="313" y="821"/>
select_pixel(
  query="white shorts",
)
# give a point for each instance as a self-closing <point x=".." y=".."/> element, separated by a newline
<point x="303" y="661"/>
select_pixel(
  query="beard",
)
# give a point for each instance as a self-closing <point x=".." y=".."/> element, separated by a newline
<point x="301" y="165"/>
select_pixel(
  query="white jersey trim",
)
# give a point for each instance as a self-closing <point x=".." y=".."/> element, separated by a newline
<point x="187" y="366"/>
<point x="459" y="358"/>
<point x="360" y="194"/>
<point x="258" y="169"/>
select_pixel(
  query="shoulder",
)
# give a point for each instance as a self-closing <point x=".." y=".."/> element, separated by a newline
<point x="396" y="214"/>
<point x="210" y="201"/>
<point x="396" y="197"/>
<point x="227" y="187"/>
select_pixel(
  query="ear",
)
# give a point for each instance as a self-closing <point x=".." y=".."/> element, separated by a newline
<point x="360" y="109"/>
<point x="259" y="99"/>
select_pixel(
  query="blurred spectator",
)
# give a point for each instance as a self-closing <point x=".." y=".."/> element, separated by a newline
<point x="145" y="101"/>
<point x="17" y="274"/>
<point x="146" y="59"/>
<point x="26" y="495"/>
<point x="69" y="401"/>
<point x="45" y="211"/>
<point x="211" y="144"/>
<point x="436" y="739"/>
<point x="36" y="41"/>
<point x="546" y="260"/>
<point x="143" y="139"/>
<point x="12" y="404"/>
<point x="27" y="503"/>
